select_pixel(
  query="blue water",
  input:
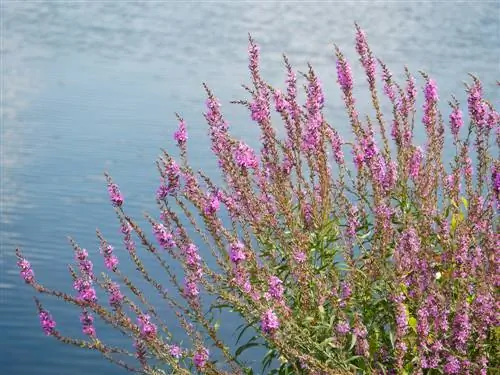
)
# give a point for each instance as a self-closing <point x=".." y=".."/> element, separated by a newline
<point x="93" y="86"/>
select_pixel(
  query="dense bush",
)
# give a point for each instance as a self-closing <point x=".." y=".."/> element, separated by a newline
<point x="384" y="263"/>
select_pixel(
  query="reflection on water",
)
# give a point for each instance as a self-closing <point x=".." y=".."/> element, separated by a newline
<point x="92" y="86"/>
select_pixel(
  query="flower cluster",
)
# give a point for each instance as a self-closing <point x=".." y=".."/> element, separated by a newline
<point x="26" y="271"/>
<point x="386" y="263"/>
<point x="115" y="195"/>
<point x="148" y="329"/>
<point x="48" y="324"/>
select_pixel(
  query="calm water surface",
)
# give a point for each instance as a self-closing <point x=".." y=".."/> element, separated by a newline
<point x="92" y="86"/>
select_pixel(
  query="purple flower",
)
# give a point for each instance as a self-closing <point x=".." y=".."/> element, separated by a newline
<point x="385" y="174"/>
<point x="345" y="290"/>
<point x="411" y="89"/>
<point x="84" y="264"/>
<point x="287" y="165"/>
<point x="175" y="351"/>
<point x="388" y="85"/>
<point x="162" y="191"/>
<point x="181" y="134"/>
<point x="193" y="259"/>
<point x="280" y="101"/>
<point x="253" y="57"/>
<point x="126" y="228"/>
<point x="276" y="287"/>
<point x="311" y="136"/>
<point x="190" y="287"/>
<point x="86" y="291"/>
<point x="242" y="279"/>
<point x="456" y="121"/>
<point x="26" y="271"/>
<point x="110" y="260"/>
<point x="383" y="214"/>
<point x="299" y="256"/>
<point x="336" y="142"/>
<point x="431" y="98"/>
<point x="344" y="75"/>
<point x="315" y="97"/>
<point x="200" y="358"/>
<point x="269" y="322"/>
<point x="48" y="324"/>
<point x="87" y="321"/>
<point x="236" y="252"/>
<point x="115" y="296"/>
<point x="493" y="118"/>
<point x="366" y="57"/>
<point x="213" y="114"/>
<point x="407" y="250"/>
<point x="170" y="183"/>
<point x="259" y="109"/>
<point x="416" y="159"/>
<point x="485" y="314"/>
<point x="148" y="329"/>
<point x="343" y="327"/>
<point x="307" y="213"/>
<point x="401" y="319"/>
<point x="163" y="236"/>
<point x="358" y="156"/>
<point x="431" y="93"/>
<point x="115" y="195"/>
<point x="495" y="179"/>
<point x="483" y="362"/>
<point x="212" y="204"/>
<point x="362" y="346"/>
<point x="477" y="109"/>
<point x="291" y="84"/>
<point x="461" y="327"/>
<point x="452" y="365"/>
<point x="245" y="156"/>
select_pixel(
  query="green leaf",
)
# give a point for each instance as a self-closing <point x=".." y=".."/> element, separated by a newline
<point x="353" y="358"/>
<point x="268" y="358"/>
<point x="412" y="322"/>
<point x="242" y="348"/>
<point x="391" y="339"/>
<point x="353" y="342"/>
<point x="243" y="331"/>
<point x="465" y="202"/>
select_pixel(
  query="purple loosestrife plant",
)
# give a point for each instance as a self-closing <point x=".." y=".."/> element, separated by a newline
<point x="386" y="264"/>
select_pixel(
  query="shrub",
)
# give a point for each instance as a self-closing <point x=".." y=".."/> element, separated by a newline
<point x="386" y="264"/>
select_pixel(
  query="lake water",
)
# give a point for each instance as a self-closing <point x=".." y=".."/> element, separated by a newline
<point x="93" y="86"/>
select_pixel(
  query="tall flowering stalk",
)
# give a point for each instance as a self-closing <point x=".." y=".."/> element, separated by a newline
<point x="386" y="264"/>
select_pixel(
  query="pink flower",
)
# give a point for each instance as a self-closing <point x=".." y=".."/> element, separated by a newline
<point x="48" y="324"/>
<point x="175" y="351"/>
<point x="344" y="76"/>
<point x="200" y="358"/>
<point x="456" y="121"/>
<point x="181" y="134"/>
<point x="245" y="156"/>
<point x="26" y="271"/>
<point x="236" y="252"/>
<point x="148" y="329"/>
<point x="115" y="195"/>
<point x="269" y="322"/>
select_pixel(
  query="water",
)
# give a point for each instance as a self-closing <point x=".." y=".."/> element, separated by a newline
<point x="92" y="86"/>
